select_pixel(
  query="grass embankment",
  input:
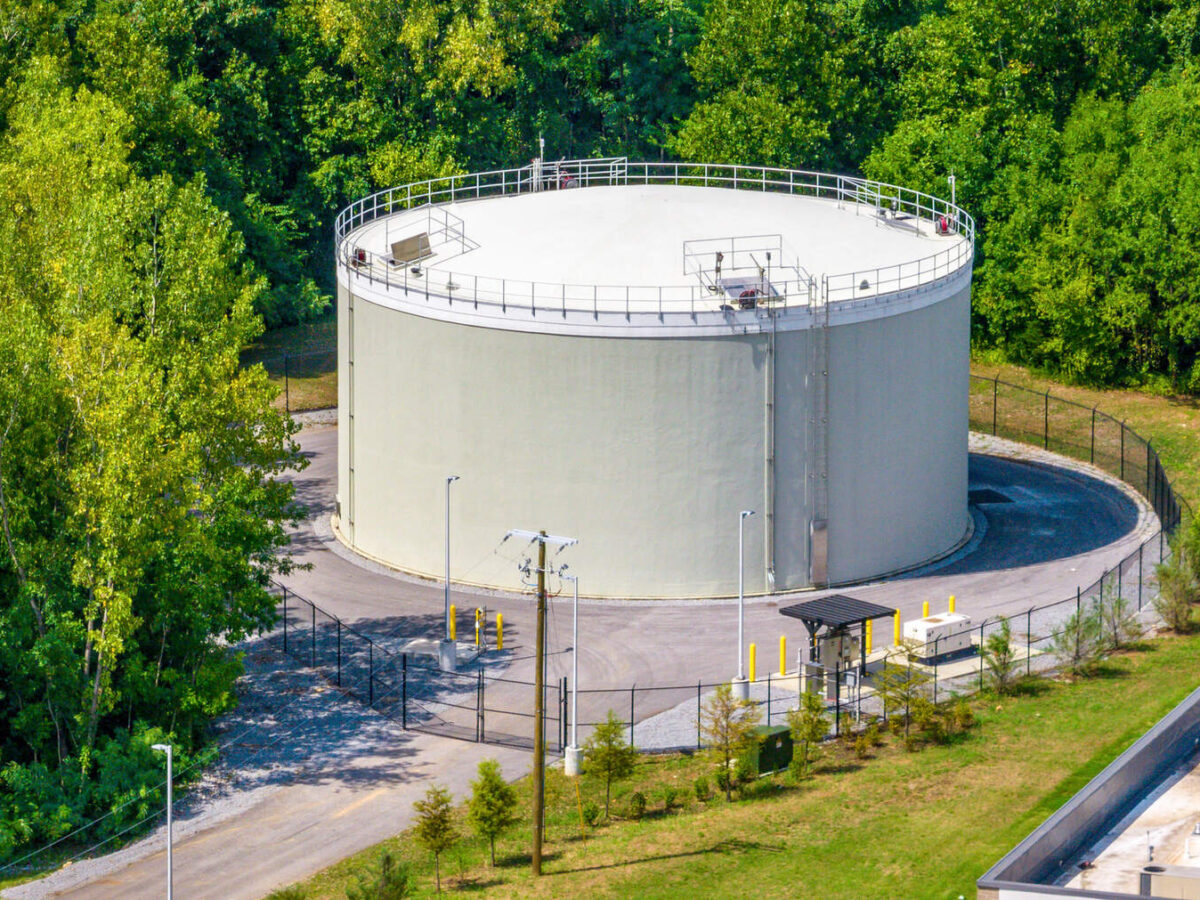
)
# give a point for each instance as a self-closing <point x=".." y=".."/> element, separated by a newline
<point x="899" y="824"/>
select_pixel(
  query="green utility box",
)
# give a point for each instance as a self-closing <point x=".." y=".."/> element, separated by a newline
<point x="772" y="749"/>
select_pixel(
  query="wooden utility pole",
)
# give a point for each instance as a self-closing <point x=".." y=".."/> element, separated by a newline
<point x="539" y="700"/>
<point x="539" y="712"/>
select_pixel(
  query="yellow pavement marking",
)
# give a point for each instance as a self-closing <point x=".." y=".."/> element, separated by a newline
<point x="361" y="801"/>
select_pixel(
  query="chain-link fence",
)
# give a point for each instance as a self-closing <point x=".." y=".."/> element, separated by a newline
<point x="1077" y="431"/>
<point x="481" y="704"/>
<point x="476" y="704"/>
<point x="308" y="379"/>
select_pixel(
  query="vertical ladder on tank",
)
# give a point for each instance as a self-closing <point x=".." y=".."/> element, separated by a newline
<point x="769" y="452"/>
<point x="818" y="473"/>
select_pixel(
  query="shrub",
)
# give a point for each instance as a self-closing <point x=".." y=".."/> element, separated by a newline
<point x="743" y="772"/>
<point x="962" y="716"/>
<point x="591" y="814"/>
<point x="872" y="734"/>
<point x="702" y="788"/>
<point x="1078" y="647"/>
<point x="809" y="725"/>
<point x="727" y="724"/>
<point x="637" y="804"/>
<point x="669" y="796"/>
<point x="493" y="806"/>
<point x="929" y="720"/>
<point x="435" y="829"/>
<point x="1176" y="593"/>
<point x="1119" y="626"/>
<point x="392" y="882"/>
<point x="1000" y="656"/>
<point x="607" y="754"/>
<point x="862" y="746"/>
<point x="724" y="782"/>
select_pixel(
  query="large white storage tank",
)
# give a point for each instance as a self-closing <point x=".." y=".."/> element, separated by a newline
<point x="633" y="353"/>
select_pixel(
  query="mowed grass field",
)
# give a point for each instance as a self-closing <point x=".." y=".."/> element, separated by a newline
<point x="899" y="824"/>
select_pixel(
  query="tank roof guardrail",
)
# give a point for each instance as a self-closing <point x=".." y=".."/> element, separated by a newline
<point x="902" y="206"/>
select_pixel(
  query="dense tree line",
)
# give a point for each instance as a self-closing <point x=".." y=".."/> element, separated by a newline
<point x="169" y="170"/>
<point x="1066" y="122"/>
<point x="140" y="513"/>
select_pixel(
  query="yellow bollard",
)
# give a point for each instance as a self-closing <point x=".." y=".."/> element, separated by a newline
<point x="951" y="603"/>
<point x="867" y="651"/>
<point x="752" y="662"/>
<point x="925" y="610"/>
<point x="896" y="629"/>
<point x="478" y="624"/>
<point x="499" y="631"/>
<point x="453" y="624"/>
<point x="783" y="654"/>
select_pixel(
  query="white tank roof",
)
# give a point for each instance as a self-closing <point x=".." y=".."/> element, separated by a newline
<point x="635" y="256"/>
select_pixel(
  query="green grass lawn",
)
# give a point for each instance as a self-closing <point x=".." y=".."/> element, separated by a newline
<point x="899" y="824"/>
<point x="307" y="355"/>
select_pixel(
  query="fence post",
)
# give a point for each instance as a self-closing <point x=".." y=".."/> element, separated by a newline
<point x="1046" y="423"/>
<point x="1092" y="452"/>
<point x="313" y="642"/>
<point x="478" y="679"/>
<point x="1140" y="548"/>
<point x="1029" y="642"/>
<point x="936" y="641"/>
<point x="837" y="698"/>
<point x="285" y="620"/>
<point x="768" y="698"/>
<point x="564" y="716"/>
<point x="995" y="402"/>
<point x="632" y="692"/>
<point x="403" y="691"/>
<point x="698" y="713"/>
<point x="371" y="674"/>
<point x="981" y="657"/>
<point x="1078" y="595"/>
<point x="1122" y="451"/>
<point x="287" y="397"/>
<point x="339" y="652"/>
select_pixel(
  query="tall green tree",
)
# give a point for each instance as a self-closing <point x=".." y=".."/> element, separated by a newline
<point x="493" y="806"/>
<point x="141" y="513"/>
<point x="727" y="726"/>
<point x="607" y="755"/>
<point x="435" y="829"/>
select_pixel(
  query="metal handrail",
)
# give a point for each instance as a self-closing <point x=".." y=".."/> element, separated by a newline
<point x="891" y="204"/>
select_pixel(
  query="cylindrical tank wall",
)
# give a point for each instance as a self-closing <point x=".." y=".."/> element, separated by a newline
<point x="645" y="449"/>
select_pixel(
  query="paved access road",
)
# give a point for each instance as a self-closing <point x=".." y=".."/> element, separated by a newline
<point x="1063" y="528"/>
<point x="1065" y="525"/>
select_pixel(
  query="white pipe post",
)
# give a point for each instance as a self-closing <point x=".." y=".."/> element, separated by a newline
<point x="572" y="758"/>
<point x="447" y="654"/>
<point x="741" y="687"/>
<point x="166" y="748"/>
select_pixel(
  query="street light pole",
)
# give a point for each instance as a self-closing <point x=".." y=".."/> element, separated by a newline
<point x="166" y="748"/>
<point x="448" y="656"/>
<point x="741" y="687"/>
<point x="572" y="758"/>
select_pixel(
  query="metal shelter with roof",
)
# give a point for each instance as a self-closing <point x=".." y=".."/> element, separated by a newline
<point x="837" y="613"/>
